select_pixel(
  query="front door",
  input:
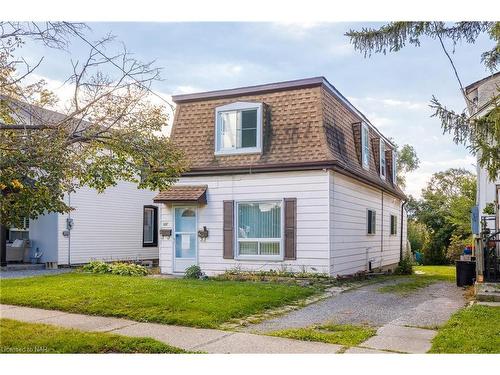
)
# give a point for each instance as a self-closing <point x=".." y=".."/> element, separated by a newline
<point x="185" y="239"/>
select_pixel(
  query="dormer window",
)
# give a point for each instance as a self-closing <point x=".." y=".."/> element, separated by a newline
<point x="383" y="165"/>
<point x="238" y="128"/>
<point x="394" y="167"/>
<point x="365" y="147"/>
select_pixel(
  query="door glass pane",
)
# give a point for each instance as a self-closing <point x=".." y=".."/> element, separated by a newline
<point x="185" y="245"/>
<point x="259" y="220"/>
<point x="228" y="125"/>
<point x="185" y="220"/>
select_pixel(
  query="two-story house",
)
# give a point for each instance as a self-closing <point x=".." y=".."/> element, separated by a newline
<point x="286" y="174"/>
<point x="482" y="96"/>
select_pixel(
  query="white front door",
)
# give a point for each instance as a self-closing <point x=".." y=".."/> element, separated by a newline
<point x="185" y="238"/>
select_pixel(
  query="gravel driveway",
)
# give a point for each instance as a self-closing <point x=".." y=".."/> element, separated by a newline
<point x="429" y="307"/>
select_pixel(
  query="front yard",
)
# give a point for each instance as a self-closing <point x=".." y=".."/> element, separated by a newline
<point x="471" y="330"/>
<point x="19" y="337"/>
<point x="197" y="303"/>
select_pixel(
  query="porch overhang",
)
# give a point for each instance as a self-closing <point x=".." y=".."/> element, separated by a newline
<point x="183" y="194"/>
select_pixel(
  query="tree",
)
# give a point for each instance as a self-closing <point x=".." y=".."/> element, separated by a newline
<point x="109" y="130"/>
<point x="445" y="210"/>
<point x="407" y="162"/>
<point x="480" y="135"/>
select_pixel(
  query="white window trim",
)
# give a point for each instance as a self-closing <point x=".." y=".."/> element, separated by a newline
<point x="383" y="166"/>
<point x="238" y="106"/>
<point x="281" y="255"/>
<point x="365" y="146"/>
<point x="374" y="229"/>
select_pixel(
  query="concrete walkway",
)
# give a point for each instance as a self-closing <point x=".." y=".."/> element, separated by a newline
<point x="192" y="339"/>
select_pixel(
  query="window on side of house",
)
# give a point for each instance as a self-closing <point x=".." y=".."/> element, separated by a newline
<point x="365" y="146"/>
<point x="394" y="225"/>
<point x="150" y="226"/>
<point x="259" y="229"/>
<point x="371" y="221"/>
<point x="383" y="165"/>
<point x="238" y="128"/>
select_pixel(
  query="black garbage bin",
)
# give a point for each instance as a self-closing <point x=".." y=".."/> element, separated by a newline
<point x="466" y="272"/>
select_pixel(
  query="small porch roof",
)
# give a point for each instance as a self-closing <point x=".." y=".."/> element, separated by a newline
<point x="183" y="193"/>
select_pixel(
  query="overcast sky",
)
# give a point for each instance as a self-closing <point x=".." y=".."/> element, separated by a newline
<point x="392" y="90"/>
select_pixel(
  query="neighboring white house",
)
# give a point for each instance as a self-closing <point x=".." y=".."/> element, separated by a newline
<point x="480" y="101"/>
<point x="119" y="224"/>
<point x="480" y="95"/>
<point x="281" y="175"/>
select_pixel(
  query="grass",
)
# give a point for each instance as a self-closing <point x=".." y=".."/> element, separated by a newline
<point x="19" y="337"/>
<point x="444" y="273"/>
<point x="197" y="303"/>
<point x="422" y="278"/>
<point x="341" y="334"/>
<point x="471" y="330"/>
<point x="407" y="287"/>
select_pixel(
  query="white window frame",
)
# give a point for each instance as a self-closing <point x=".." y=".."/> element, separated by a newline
<point x="383" y="161"/>
<point x="237" y="106"/>
<point x="395" y="225"/>
<point x="374" y="220"/>
<point x="394" y="167"/>
<point x="280" y="240"/>
<point x="365" y="146"/>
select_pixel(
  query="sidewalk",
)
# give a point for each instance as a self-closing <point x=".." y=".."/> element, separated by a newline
<point x="192" y="339"/>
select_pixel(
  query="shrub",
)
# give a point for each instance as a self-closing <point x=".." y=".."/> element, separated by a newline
<point x="405" y="266"/>
<point x="193" y="272"/>
<point x="456" y="247"/>
<point x="118" y="268"/>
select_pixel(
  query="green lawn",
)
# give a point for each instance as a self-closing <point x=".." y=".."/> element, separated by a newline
<point x="471" y="330"/>
<point x="19" y="337"/>
<point x="445" y="273"/>
<point x="341" y="334"/>
<point x="199" y="303"/>
<point x="422" y="278"/>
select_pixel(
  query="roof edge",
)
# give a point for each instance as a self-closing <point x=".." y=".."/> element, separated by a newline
<point x="287" y="167"/>
<point x="227" y="93"/>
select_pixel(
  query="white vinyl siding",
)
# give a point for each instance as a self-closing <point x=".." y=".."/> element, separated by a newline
<point x="107" y="226"/>
<point x="365" y="146"/>
<point x="351" y="246"/>
<point x="310" y="188"/>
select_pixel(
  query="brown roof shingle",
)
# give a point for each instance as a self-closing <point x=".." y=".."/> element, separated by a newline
<point x="183" y="193"/>
<point x="307" y="124"/>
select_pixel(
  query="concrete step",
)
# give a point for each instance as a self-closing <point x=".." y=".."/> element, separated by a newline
<point x="488" y="292"/>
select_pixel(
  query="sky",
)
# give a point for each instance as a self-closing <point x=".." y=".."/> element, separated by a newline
<point x="392" y="90"/>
